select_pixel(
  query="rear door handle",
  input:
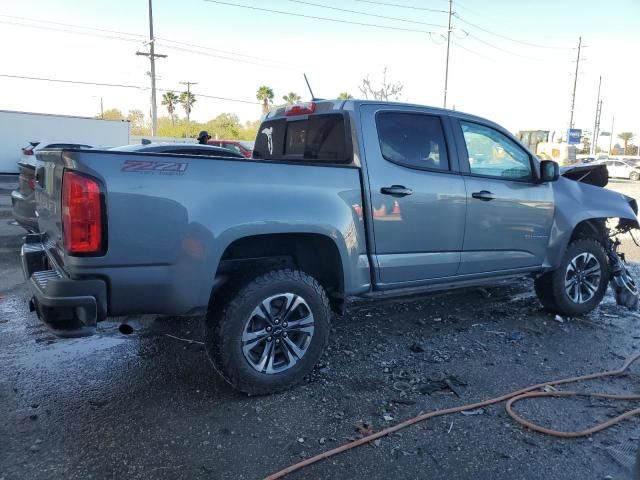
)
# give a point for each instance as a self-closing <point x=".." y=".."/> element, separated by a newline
<point x="396" y="191"/>
<point x="483" y="195"/>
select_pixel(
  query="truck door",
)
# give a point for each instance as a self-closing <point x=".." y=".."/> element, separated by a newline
<point x="417" y="196"/>
<point x="509" y="213"/>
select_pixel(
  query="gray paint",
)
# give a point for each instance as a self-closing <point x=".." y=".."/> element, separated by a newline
<point x="167" y="233"/>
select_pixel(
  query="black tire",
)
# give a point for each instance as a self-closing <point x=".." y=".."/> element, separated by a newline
<point x="226" y="324"/>
<point x="634" y="176"/>
<point x="550" y="287"/>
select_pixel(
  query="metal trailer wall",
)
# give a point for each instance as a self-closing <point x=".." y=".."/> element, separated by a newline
<point x="17" y="129"/>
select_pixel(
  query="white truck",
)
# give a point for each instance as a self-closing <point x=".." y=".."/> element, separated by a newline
<point x="20" y="128"/>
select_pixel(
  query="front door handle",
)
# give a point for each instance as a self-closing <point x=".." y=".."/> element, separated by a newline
<point x="483" y="195"/>
<point x="396" y="191"/>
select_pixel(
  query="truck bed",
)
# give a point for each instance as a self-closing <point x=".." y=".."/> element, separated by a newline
<point x="170" y="218"/>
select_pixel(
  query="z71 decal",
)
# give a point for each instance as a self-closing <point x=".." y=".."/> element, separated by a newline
<point x="151" y="167"/>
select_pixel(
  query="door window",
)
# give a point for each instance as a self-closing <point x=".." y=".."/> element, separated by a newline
<point x="413" y="140"/>
<point x="493" y="154"/>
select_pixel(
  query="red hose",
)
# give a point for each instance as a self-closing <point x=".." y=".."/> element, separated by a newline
<point x="511" y="399"/>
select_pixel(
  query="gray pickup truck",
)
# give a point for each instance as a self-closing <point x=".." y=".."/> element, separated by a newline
<point x="342" y="199"/>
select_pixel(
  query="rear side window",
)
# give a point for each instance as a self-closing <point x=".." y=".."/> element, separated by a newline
<point x="411" y="139"/>
<point x="316" y="138"/>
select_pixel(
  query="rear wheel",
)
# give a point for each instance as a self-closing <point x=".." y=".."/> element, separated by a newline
<point x="634" y="176"/>
<point x="579" y="283"/>
<point x="270" y="333"/>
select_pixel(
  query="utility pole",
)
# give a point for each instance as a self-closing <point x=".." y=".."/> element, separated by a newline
<point x="446" y="68"/>
<point x="575" y="83"/>
<point x="188" y="110"/>
<point x="101" y="109"/>
<point x="599" y="120"/>
<point x="152" y="58"/>
<point x="596" y="123"/>
<point x="613" y="119"/>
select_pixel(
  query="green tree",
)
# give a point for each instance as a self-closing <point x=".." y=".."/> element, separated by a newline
<point x="170" y="100"/>
<point x="265" y="95"/>
<point x="112" y="114"/>
<point x="625" y="137"/>
<point x="249" y="130"/>
<point x="291" y="98"/>
<point x="186" y="100"/>
<point x="345" y="96"/>
<point x="225" y="126"/>
<point x="138" y="124"/>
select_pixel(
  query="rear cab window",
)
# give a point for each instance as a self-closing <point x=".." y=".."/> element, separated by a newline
<point x="315" y="138"/>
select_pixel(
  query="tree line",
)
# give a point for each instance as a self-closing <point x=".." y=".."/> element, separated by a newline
<point x="227" y="125"/>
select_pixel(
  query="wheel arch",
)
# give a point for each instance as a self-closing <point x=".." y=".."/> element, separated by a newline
<point x="317" y="254"/>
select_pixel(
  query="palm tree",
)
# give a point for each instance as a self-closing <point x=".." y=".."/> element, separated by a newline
<point x="291" y="98"/>
<point x="625" y="137"/>
<point x="265" y="95"/>
<point x="345" y="96"/>
<point x="169" y="100"/>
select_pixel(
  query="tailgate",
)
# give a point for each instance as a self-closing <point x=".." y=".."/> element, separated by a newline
<point x="48" y="189"/>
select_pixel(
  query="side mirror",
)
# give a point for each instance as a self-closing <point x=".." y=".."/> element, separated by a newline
<point x="549" y="171"/>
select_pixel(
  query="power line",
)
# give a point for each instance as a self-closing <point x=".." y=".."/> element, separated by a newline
<point x="44" y="27"/>
<point x="140" y="39"/>
<point x="357" y="12"/>
<point x="138" y="87"/>
<point x="478" y="39"/>
<point x="22" y="77"/>
<point x="510" y="38"/>
<point x="326" y="19"/>
<point x="227" y="52"/>
<point x="472" y="51"/>
<point x="222" y="57"/>
<point x="403" y="6"/>
<point x="215" y="97"/>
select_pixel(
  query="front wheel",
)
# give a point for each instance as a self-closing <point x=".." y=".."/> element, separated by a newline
<point x="270" y="333"/>
<point x="579" y="283"/>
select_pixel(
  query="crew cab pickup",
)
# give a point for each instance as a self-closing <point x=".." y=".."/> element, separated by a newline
<point x="342" y="199"/>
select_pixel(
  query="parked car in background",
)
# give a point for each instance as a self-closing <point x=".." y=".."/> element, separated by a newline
<point x="23" y="198"/>
<point x="179" y="149"/>
<point x="622" y="169"/>
<point x="242" y="147"/>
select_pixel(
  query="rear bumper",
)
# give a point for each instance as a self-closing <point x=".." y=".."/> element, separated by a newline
<point x="24" y="210"/>
<point x="69" y="307"/>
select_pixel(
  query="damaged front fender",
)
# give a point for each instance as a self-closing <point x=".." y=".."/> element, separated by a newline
<point x="577" y="202"/>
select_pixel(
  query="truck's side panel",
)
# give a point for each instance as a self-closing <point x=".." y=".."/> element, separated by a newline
<point x="418" y="237"/>
<point x="169" y="222"/>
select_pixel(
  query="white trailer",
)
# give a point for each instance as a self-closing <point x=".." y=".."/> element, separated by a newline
<point x="17" y="129"/>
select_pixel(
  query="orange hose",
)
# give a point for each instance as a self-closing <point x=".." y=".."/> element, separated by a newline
<point x="510" y="398"/>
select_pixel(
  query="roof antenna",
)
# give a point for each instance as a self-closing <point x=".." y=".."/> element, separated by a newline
<point x="313" y="97"/>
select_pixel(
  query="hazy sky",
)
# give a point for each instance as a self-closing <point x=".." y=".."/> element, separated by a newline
<point x="514" y="83"/>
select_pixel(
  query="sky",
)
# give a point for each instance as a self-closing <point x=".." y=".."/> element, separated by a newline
<point x="510" y="61"/>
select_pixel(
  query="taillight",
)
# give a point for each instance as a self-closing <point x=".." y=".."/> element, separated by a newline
<point x="27" y="151"/>
<point x="300" y="109"/>
<point x="81" y="214"/>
